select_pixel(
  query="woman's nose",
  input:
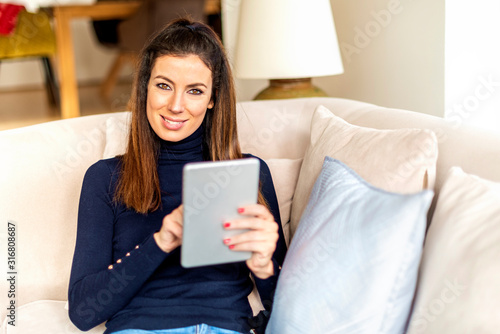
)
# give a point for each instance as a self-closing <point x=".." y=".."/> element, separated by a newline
<point x="176" y="102"/>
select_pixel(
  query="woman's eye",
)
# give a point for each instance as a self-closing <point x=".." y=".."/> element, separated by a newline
<point x="163" y="86"/>
<point x="195" y="91"/>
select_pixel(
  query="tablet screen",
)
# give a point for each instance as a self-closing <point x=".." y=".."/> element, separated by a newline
<point x="212" y="192"/>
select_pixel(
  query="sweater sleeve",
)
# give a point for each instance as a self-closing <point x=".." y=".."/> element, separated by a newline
<point x="266" y="287"/>
<point x="99" y="288"/>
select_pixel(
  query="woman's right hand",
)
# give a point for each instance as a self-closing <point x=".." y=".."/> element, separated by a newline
<point x="169" y="237"/>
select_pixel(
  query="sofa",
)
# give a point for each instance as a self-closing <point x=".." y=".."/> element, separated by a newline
<point x="42" y="168"/>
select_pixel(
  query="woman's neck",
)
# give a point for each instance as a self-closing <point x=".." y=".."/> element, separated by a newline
<point x="187" y="149"/>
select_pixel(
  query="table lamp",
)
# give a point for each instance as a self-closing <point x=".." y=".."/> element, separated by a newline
<point x="288" y="42"/>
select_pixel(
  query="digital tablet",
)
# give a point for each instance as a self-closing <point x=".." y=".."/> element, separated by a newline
<point x="212" y="192"/>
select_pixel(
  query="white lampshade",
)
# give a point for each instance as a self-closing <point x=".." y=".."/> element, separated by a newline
<point x="283" y="39"/>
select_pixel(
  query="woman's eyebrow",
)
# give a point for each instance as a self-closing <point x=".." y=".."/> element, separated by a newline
<point x="159" y="76"/>
<point x="197" y="84"/>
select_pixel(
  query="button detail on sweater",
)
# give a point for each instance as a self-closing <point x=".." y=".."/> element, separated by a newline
<point x="110" y="267"/>
<point x="119" y="261"/>
<point x="137" y="247"/>
<point x="128" y="254"/>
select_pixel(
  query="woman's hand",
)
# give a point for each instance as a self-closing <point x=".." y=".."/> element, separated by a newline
<point x="169" y="237"/>
<point x="260" y="239"/>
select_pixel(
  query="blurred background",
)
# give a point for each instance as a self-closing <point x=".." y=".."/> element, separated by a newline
<point x="438" y="57"/>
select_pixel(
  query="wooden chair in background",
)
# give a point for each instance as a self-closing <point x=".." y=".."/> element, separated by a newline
<point x="33" y="37"/>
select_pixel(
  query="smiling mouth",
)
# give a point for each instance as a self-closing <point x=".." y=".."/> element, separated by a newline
<point x="171" y="122"/>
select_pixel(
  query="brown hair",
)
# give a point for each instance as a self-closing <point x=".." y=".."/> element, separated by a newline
<point x="138" y="185"/>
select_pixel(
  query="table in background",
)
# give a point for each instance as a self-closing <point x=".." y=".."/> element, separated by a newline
<point x="63" y="14"/>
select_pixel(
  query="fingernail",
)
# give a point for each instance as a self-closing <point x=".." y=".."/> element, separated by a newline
<point x="226" y="225"/>
<point x="231" y="246"/>
<point x="240" y="210"/>
<point x="226" y="241"/>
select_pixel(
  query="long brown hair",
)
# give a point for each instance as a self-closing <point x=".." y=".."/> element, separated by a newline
<point x="138" y="185"/>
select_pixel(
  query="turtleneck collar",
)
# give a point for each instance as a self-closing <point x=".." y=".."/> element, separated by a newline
<point x="188" y="149"/>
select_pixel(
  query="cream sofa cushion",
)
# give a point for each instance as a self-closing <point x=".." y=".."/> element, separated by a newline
<point x="41" y="175"/>
<point x="45" y="316"/>
<point x="459" y="276"/>
<point x="275" y="129"/>
<point x="401" y="161"/>
<point x="117" y="131"/>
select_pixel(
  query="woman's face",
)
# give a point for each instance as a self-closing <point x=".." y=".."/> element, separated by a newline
<point x="179" y="93"/>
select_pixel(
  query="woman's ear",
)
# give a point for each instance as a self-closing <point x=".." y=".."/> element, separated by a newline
<point x="212" y="100"/>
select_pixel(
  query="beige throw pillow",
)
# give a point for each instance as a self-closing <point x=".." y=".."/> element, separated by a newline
<point x="285" y="173"/>
<point x="458" y="289"/>
<point x="401" y="161"/>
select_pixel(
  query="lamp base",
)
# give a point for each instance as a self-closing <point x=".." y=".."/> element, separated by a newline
<point x="289" y="89"/>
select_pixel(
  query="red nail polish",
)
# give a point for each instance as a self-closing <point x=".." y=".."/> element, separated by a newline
<point x="226" y="241"/>
<point x="231" y="246"/>
<point x="241" y="210"/>
<point x="226" y="225"/>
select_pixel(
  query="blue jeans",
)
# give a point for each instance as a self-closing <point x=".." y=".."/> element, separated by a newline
<point x="198" y="329"/>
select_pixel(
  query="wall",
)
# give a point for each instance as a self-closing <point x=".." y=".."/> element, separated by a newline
<point x="393" y="53"/>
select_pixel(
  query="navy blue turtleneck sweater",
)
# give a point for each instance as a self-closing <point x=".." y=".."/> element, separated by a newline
<point x="120" y="275"/>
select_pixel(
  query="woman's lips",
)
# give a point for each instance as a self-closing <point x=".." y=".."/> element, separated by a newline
<point x="172" y="124"/>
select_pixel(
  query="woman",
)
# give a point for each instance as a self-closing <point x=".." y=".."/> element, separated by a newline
<point x="126" y="267"/>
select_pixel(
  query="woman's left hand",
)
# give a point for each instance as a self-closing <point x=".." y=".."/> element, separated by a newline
<point x="261" y="238"/>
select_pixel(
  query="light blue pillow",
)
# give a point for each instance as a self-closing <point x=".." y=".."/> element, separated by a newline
<point x="352" y="264"/>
